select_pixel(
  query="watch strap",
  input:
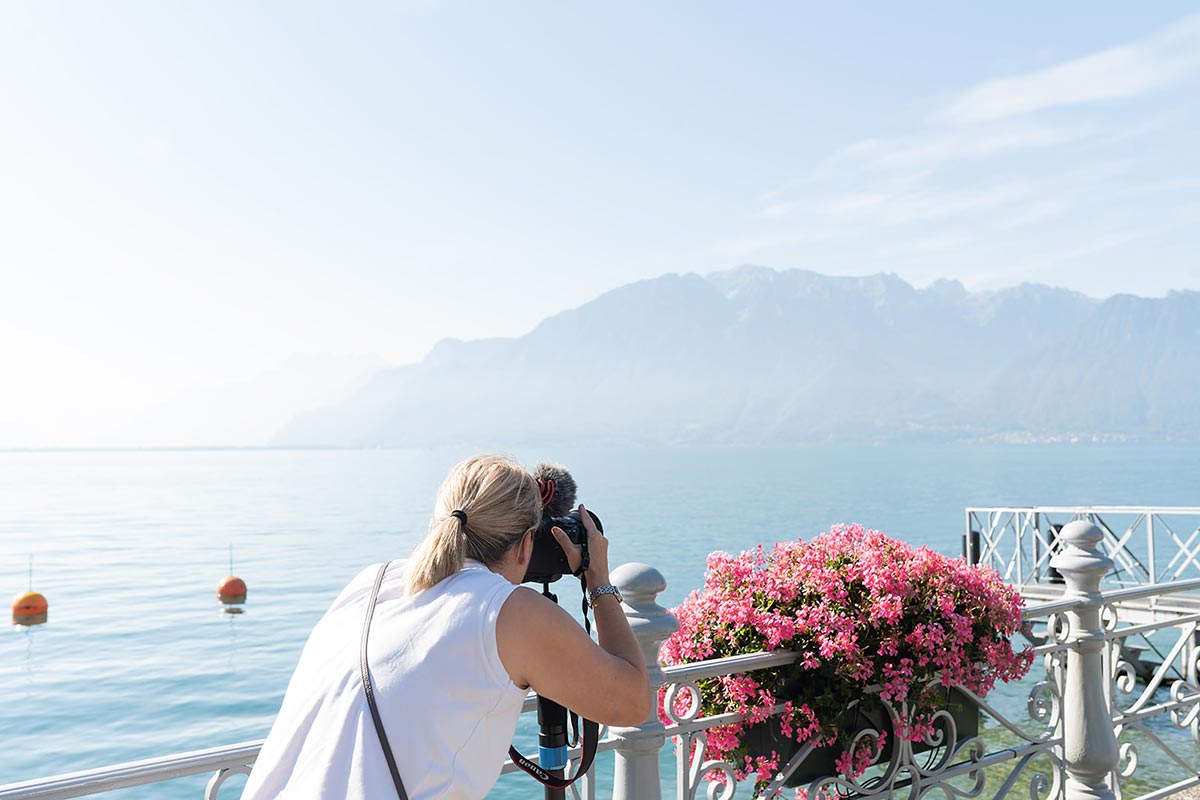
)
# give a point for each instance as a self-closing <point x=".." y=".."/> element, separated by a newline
<point x="608" y="588"/>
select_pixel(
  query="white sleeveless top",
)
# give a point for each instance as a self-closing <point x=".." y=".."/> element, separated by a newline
<point x="447" y="703"/>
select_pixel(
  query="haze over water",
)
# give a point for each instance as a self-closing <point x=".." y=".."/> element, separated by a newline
<point x="137" y="661"/>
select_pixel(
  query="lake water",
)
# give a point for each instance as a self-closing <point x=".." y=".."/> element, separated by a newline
<point x="137" y="661"/>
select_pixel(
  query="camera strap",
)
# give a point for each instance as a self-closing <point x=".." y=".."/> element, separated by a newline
<point x="591" y="736"/>
<point x="585" y="606"/>
<point x="370" y="691"/>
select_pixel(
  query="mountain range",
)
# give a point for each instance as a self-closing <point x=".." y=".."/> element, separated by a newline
<point x="753" y="356"/>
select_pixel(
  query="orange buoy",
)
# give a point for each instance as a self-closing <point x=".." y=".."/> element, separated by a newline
<point x="30" y="608"/>
<point x="231" y="591"/>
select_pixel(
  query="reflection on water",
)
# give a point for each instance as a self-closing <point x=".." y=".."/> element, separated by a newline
<point x="29" y="634"/>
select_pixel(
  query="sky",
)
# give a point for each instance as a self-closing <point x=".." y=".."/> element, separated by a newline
<point x="195" y="195"/>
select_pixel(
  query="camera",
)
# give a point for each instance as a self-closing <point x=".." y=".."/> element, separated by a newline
<point x="548" y="562"/>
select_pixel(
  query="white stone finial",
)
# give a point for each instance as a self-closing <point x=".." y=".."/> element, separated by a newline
<point x="1090" y="751"/>
<point x="639" y="583"/>
<point x="1082" y="563"/>
<point x="1082" y="534"/>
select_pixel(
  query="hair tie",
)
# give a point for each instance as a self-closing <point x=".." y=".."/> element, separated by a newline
<point x="462" y="516"/>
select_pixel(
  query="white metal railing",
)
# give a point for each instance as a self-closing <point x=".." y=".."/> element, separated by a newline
<point x="949" y="764"/>
<point x="1110" y="701"/>
<point x="221" y="761"/>
<point x="1148" y="544"/>
<point x="947" y="756"/>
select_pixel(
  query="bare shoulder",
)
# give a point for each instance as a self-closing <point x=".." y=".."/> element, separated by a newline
<point x="527" y="626"/>
<point x="543" y="647"/>
<point x="526" y="611"/>
<point x="525" y="600"/>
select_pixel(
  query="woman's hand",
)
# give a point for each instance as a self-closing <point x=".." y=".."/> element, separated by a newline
<point x="597" y="572"/>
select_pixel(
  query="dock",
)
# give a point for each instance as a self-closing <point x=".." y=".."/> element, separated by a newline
<point x="1147" y="545"/>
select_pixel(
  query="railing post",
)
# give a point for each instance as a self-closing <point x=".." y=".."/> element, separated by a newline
<point x="636" y="773"/>
<point x="1089" y="744"/>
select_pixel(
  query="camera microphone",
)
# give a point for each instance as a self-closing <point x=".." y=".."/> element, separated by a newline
<point x="548" y="562"/>
<point x="557" y="488"/>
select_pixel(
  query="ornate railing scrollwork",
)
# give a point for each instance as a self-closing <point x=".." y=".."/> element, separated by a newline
<point x="1045" y="706"/>
<point x="1058" y="628"/>
<point x="720" y="786"/>
<point x="1041" y="787"/>
<point x="671" y="698"/>
<point x="1108" y="617"/>
<point x="1185" y="705"/>
<point x="1128" y="762"/>
<point x="949" y="764"/>
<point x="220" y="776"/>
<point x="1124" y="677"/>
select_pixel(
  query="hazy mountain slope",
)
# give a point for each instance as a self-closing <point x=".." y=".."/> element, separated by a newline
<point x="754" y="355"/>
<point x="1133" y="366"/>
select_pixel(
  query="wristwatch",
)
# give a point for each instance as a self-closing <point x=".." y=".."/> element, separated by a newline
<point x="606" y="589"/>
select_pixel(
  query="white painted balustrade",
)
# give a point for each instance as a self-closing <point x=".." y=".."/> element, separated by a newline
<point x="1081" y="740"/>
<point x="1089" y="744"/>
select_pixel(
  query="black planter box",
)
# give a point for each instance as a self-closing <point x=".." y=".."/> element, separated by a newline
<point x="766" y="737"/>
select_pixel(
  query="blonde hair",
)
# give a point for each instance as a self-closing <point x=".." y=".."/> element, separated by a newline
<point x="500" y="501"/>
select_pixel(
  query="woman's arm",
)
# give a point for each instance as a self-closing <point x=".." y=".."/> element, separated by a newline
<point x="543" y="647"/>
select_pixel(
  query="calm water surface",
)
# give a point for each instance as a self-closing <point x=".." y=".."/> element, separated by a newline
<point x="137" y="661"/>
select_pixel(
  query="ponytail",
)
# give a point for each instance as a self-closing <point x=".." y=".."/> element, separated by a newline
<point x="440" y="555"/>
<point x="484" y="507"/>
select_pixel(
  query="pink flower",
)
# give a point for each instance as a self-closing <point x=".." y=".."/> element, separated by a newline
<point x="859" y="609"/>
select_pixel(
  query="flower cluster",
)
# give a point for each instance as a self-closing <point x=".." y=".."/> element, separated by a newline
<point x="860" y="610"/>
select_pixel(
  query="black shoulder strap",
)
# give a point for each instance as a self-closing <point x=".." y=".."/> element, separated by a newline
<point x="366" y="680"/>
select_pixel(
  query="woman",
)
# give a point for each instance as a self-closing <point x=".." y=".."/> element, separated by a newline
<point x="455" y="643"/>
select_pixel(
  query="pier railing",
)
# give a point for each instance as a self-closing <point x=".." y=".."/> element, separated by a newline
<point x="1147" y="545"/>
<point x="1111" y="711"/>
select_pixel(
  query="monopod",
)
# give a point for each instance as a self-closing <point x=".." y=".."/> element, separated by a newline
<point x="552" y="732"/>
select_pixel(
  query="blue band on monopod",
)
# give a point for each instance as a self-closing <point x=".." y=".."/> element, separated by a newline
<point x="552" y="757"/>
